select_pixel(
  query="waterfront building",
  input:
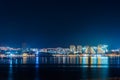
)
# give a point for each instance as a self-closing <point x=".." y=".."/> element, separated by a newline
<point x="102" y="49"/>
<point x="79" y="49"/>
<point x="72" y="48"/>
<point x="86" y="49"/>
<point x="92" y="50"/>
<point x="89" y="50"/>
<point x="60" y="50"/>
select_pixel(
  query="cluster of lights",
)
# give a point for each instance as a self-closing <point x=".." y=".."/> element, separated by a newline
<point x="11" y="52"/>
<point x="72" y="50"/>
<point x="78" y="49"/>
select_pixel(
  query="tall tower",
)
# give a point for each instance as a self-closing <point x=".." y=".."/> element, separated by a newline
<point x="79" y="49"/>
<point x="72" y="48"/>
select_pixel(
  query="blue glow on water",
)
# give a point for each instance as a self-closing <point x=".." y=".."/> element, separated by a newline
<point x="16" y="62"/>
<point x="10" y="62"/>
<point x="104" y="60"/>
<point x="37" y="66"/>
<point x="94" y="60"/>
<point x="10" y="70"/>
<point x="37" y="62"/>
<point x="85" y="60"/>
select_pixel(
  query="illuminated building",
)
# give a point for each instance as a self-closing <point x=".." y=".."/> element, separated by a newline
<point x="79" y="49"/>
<point x="25" y="55"/>
<point x="60" y="50"/>
<point x="105" y="48"/>
<point x="102" y="49"/>
<point x="43" y="50"/>
<point x="86" y="49"/>
<point x="89" y="49"/>
<point x="73" y="48"/>
<point x="92" y="50"/>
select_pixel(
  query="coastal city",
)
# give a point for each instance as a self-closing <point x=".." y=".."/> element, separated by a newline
<point x="79" y="50"/>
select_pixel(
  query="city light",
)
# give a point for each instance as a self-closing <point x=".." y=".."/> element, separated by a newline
<point x="73" y="50"/>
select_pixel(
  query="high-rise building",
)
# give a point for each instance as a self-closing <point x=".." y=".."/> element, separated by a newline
<point x="79" y="49"/>
<point x="102" y="49"/>
<point x="89" y="49"/>
<point x="92" y="50"/>
<point x="73" y="48"/>
<point x="99" y="50"/>
<point x="86" y="49"/>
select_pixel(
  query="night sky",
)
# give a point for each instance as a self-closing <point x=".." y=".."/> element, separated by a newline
<point x="59" y="23"/>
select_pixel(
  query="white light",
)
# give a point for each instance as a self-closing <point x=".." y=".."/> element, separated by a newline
<point x="85" y="55"/>
<point x="11" y="54"/>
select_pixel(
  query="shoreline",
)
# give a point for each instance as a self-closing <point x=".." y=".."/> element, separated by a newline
<point x="61" y="55"/>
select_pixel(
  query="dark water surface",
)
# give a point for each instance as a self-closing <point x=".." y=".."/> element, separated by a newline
<point x="60" y="68"/>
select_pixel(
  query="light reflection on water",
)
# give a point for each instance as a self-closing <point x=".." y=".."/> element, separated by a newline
<point x="90" y="67"/>
<point x="37" y="62"/>
<point x="81" y="61"/>
<point x="36" y="68"/>
<point x="10" y="70"/>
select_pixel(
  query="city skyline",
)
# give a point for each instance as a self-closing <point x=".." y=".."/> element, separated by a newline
<point x="59" y="39"/>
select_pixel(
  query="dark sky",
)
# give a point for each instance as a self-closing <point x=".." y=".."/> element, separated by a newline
<point x="59" y="23"/>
